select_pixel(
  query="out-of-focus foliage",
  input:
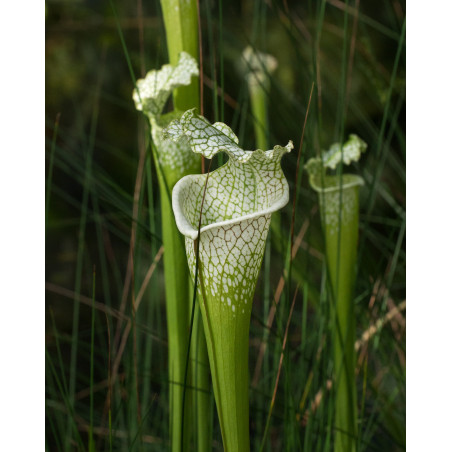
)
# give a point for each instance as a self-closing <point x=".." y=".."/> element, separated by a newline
<point x="359" y="87"/>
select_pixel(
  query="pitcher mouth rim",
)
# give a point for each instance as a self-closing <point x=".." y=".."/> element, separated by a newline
<point x="354" y="181"/>
<point x="188" y="230"/>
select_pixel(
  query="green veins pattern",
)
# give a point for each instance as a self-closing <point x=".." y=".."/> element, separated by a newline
<point x="249" y="184"/>
<point x="240" y="197"/>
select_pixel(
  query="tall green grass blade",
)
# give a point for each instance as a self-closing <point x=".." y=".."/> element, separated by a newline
<point x="80" y="254"/>
<point x="91" y="446"/>
<point x="67" y="402"/>
<point x="51" y="162"/>
<point x="379" y="146"/>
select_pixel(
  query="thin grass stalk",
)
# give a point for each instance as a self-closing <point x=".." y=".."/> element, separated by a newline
<point x="63" y="385"/>
<point x="132" y="238"/>
<point x="50" y="173"/>
<point x="80" y="253"/>
<point x="370" y="201"/>
<point x="220" y="45"/>
<point x="258" y="98"/>
<point x="67" y="403"/>
<point x="275" y="389"/>
<point x="110" y="431"/>
<point x="136" y="266"/>
<point x="91" y="446"/>
<point x="101" y="247"/>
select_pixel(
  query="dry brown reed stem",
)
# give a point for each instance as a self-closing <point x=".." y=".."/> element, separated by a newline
<point x="229" y="100"/>
<point x="113" y="372"/>
<point x="129" y="279"/>
<point x="128" y="327"/>
<point x="54" y="288"/>
<point x="141" y="35"/>
<point x="380" y="291"/>
<point x="282" y="354"/>
<point x="394" y="313"/>
<point x="201" y="63"/>
<point x="113" y="313"/>
<point x="271" y="315"/>
<point x="128" y="23"/>
<point x="294" y="205"/>
<point x="351" y="55"/>
<point x="364" y="52"/>
<point x="344" y="7"/>
<point x="119" y="434"/>
<point x="84" y="426"/>
<point x="290" y="17"/>
<point x="110" y="387"/>
<point x="105" y="431"/>
<point x="101" y="306"/>
<point x="148" y="276"/>
<point x="303" y="230"/>
<point x="378" y="325"/>
<point x="201" y="76"/>
<point x="122" y="306"/>
<point x="99" y="386"/>
<point x="136" y="201"/>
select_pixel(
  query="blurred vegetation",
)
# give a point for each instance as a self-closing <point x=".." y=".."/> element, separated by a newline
<point x="94" y="140"/>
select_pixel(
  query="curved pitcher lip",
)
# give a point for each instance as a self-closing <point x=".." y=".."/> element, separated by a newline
<point x="188" y="230"/>
<point x="348" y="181"/>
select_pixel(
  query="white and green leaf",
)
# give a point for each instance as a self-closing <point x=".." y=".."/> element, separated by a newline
<point x="151" y="94"/>
<point x="153" y="91"/>
<point x="349" y="152"/>
<point x="257" y="66"/>
<point x="237" y="201"/>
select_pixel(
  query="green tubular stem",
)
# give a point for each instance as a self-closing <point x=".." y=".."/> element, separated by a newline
<point x="341" y="241"/>
<point x="259" y="110"/>
<point x="258" y="68"/>
<point x="201" y="381"/>
<point x="177" y="286"/>
<point x="177" y="313"/>
<point x="229" y="367"/>
<point x="181" y="25"/>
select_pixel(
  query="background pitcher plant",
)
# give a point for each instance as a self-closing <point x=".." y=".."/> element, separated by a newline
<point x="339" y="209"/>
<point x="172" y="161"/>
